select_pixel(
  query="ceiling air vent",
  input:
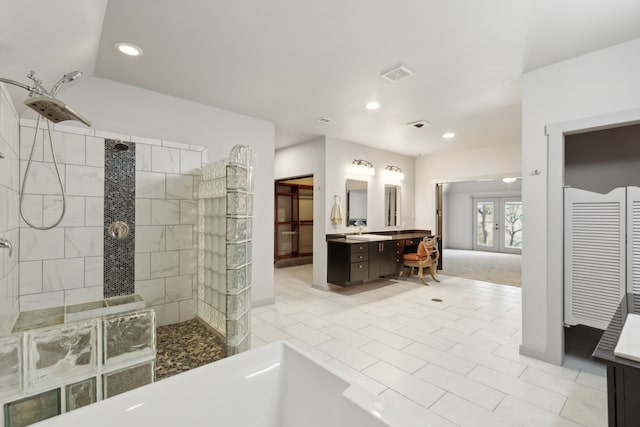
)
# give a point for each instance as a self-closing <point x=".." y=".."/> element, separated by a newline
<point x="419" y="124"/>
<point x="324" y="120"/>
<point x="397" y="73"/>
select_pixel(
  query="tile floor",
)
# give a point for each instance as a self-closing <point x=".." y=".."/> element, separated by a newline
<point x="455" y="362"/>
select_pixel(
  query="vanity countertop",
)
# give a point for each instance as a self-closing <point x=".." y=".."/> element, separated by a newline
<point x="604" y="352"/>
<point x="395" y="235"/>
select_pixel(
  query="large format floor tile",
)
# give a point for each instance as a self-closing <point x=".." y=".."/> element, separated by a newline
<point x="447" y="352"/>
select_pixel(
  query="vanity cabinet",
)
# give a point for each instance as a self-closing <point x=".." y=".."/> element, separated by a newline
<point x="351" y="263"/>
<point x="385" y="258"/>
<point x="348" y="262"/>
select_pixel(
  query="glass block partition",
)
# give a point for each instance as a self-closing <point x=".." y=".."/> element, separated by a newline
<point x="225" y="219"/>
<point x="65" y="365"/>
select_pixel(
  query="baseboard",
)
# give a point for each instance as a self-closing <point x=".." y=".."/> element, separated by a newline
<point x="540" y="355"/>
<point x="262" y="302"/>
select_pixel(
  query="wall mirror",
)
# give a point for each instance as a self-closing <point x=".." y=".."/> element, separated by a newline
<point x="356" y="203"/>
<point x="391" y="205"/>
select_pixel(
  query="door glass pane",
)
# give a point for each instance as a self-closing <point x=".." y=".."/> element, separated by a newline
<point x="513" y="224"/>
<point x="306" y="238"/>
<point x="485" y="213"/>
<point x="287" y="240"/>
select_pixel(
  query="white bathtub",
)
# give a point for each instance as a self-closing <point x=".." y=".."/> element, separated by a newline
<point x="272" y="386"/>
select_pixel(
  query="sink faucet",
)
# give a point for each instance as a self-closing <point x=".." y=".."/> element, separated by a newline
<point x="4" y="243"/>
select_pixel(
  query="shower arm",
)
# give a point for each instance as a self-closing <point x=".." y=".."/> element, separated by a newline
<point x="36" y="89"/>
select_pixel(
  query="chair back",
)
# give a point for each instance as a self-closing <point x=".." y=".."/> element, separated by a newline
<point x="431" y="245"/>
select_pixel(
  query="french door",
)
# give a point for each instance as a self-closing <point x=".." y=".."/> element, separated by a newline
<point x="497" y="224"/>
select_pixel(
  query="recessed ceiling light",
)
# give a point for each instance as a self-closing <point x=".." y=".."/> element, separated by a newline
<point x="509" y="180"/>
<point x="448" y="135"/>
<point x="372" y="105"/>
<point x="128" y="49"/>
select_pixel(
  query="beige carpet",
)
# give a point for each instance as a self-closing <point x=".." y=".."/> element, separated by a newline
<point x="486" y="266"/>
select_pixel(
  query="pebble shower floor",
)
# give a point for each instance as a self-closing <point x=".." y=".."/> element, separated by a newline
<point x="184" y="346"/>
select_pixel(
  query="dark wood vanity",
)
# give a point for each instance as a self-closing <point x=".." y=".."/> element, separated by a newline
<point x="623" y="375"/>
<point x="351" y="261"/>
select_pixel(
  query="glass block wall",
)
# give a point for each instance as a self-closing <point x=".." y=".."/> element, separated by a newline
<point x="225" y="218"/>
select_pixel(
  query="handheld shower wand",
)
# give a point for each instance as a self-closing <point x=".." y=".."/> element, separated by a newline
<point x="53" y="110"/>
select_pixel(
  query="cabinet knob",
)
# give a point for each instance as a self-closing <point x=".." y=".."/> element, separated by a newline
<point x="360" y="257"/>
<point x="359" y="265"/>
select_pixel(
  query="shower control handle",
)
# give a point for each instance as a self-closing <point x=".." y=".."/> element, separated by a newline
<point x="119" y="230"/>
<point x="4" y="243"/>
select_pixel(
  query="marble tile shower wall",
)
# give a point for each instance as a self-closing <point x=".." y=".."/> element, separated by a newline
<point x="9" y="224"/>
<point x="65" y="265"/>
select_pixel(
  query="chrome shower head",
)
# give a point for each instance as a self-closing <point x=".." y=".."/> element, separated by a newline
<point x="54" y="109"/>
<point x="67" y="78"/>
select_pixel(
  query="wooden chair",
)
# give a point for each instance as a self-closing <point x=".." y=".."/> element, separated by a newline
<point x="426" y="257"/>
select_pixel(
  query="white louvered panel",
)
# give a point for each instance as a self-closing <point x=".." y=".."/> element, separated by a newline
<point x="594" y="256"/>
<point x="633" y="245"/>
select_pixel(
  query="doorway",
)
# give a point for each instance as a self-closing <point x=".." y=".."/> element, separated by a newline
<point x="293" y="240"/>
<point x="459" y="210"/>
<point x="497" y="224"/>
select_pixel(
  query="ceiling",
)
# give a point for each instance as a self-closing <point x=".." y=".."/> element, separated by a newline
<point x="293" y="61"/>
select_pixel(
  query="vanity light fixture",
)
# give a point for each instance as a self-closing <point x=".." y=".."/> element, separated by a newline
<point x="372" y="105"/>
<point x="393" y="173"/>
<point x="362" y="167"/>
<point x="448" y="135"/>
<point x="509" y="180"/>
<point x="128" y="49"/>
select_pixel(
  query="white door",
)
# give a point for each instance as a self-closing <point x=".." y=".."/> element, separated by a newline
<point x="497" y="224"/>
<point x="594" y="256"/>
<point x="511" y="221"/>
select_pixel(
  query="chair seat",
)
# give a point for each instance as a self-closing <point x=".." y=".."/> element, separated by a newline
<point x="414" y="257"/>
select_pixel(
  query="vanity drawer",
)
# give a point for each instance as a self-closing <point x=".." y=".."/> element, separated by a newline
<point x="359" y="256"/>
<point x="359" y="271"/>
<point x="357" y="248"/>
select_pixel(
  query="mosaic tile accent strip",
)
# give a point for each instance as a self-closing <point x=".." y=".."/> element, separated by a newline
<point x="119" y="205"/>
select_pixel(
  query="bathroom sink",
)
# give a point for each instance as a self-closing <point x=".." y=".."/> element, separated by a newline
<point x="368" y="237"/>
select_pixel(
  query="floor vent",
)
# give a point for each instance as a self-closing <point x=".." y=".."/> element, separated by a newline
<point x="419" y="124"/>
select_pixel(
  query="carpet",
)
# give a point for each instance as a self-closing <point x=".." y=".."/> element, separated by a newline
<point x="491" y="267"/>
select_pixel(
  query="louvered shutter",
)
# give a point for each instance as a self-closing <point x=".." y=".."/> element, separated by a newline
<point x="594" y="256"/>
<point x="633" y="246"/>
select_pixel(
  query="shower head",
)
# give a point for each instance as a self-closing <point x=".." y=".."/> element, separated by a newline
<point x="121" y="146"/>
<point x="54" y="109"/>
<point x="67" y="78"/>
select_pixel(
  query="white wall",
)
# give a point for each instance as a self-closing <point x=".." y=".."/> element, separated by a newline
<point x="138" y="112"/>
<point x="339" y="156"/>
<point x="457" y="222"/>
<point x="329" y="160"/>
<point x="9" y="216"/>
<point x="480" y="163"/>
<point x="64" y="266"/>
<point x="308" y="159"/>
<point x="596" y="84"/>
